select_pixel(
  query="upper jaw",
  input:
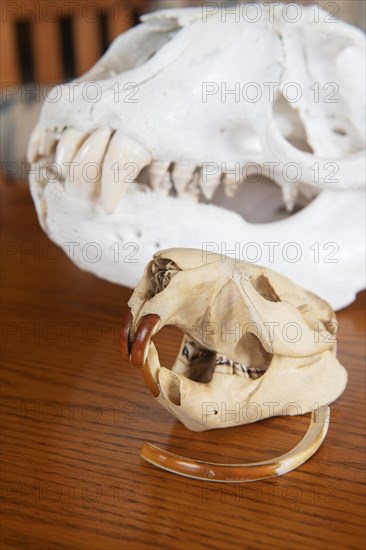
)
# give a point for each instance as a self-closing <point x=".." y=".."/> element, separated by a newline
<point x="100" y="165"/>
<point x="163" y="288"/>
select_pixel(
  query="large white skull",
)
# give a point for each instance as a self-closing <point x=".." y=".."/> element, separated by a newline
<point x="154" y="109"/>
<point x="255" y="344"/>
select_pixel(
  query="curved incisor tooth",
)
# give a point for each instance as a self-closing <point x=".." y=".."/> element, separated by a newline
<point x="84" y="177"/>
<point x="159" y="176"/>
<point x="146" y="329"/>
<point x="124" y="160"/>
<point x="182" y="175"/>
<point x="33" y="145"/>
<point x="67" y="148"/>
<point x="125" y="335"/>
<point x="209" y="183"/>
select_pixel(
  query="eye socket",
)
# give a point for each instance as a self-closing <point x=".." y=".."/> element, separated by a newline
<point x="265" y="289"/>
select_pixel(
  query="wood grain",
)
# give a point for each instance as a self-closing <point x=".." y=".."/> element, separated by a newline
<point x="75" y="416"/>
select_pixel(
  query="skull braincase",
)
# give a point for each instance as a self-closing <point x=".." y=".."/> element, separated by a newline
<point x="255" y="343"/>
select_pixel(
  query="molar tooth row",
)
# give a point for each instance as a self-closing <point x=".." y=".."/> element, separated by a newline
<point x="188" y="180"/>
<point x="227" y="366"/>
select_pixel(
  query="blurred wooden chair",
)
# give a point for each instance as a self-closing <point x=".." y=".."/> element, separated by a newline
<point x="57" y="40"/>
<point x="53" y="41"/>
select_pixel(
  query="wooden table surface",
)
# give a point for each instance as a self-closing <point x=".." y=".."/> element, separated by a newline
<point x="75" y="416"/>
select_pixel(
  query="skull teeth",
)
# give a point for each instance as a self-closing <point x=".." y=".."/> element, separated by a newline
<point x="118" y="161"/>
<point x="160" y="177"/>
<point x="182" y="175"/>
<point x="226" y="366"/>
<point x="124" y="160"/>
<point x="84" y="183"/>
<point x="195" y="363"/>
<point x="67" y="148"/>
<point x="210" y="183"/>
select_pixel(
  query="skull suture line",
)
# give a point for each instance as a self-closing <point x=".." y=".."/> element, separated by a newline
<point x="255" y="344"/>
<point x="182" y="149"/>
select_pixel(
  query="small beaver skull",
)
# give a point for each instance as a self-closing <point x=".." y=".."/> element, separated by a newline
<point x="255" y="344"/>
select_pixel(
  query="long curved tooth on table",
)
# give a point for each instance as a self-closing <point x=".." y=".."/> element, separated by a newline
<point x="34" y="144"/>
<point x="160" y="176"/>
<point x="182" y="175"/>
<point x="124" y="160"/>
<point x="84" y="177"/>
<point x="47" y="142"/>
<point x="209" y="183"/>
<point x="67" y="148"/>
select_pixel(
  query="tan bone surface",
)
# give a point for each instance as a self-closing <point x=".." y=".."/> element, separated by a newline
<point x="255" y="345"/>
